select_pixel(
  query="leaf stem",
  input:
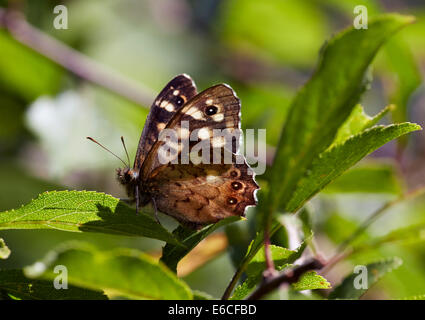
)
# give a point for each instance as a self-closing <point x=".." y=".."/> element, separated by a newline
<point x="251" y="253"/>
<point x="289" y="277"/>
<point x="270" y="268"/>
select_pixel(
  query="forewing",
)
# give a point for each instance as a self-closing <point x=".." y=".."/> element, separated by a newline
<point x="216" y="109"/>
<point x="172" y="98"/>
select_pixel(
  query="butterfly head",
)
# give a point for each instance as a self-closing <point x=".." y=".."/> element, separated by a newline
<point x="128" y="178"/>
<point x="126" y="175"/>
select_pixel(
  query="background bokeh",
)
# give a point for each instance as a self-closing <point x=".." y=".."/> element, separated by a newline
<point x="265" y="50"/>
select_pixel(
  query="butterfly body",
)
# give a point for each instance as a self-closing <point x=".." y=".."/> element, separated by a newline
<point x="194" y="194"/>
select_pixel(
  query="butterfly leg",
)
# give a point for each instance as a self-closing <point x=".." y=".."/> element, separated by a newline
<point x="127" y="200"/>
<point x="136" y="195"/>
<point x="156" y="210"/>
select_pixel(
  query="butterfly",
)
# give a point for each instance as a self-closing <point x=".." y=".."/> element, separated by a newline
<point x="193" y="194"/>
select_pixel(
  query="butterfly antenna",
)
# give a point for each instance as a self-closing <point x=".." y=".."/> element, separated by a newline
<point x="91" y="139"/>
<point x="126" y="152"/>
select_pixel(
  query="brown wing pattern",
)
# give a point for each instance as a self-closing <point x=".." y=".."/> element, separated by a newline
<point x="201" y="194"/>
<point x="174" y="95"/>
<point x="215" y="108"/>
<point x="197" y="195"/>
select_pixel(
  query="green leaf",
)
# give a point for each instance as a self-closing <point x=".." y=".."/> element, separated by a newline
<point x="282" y="258"/>
<point x="172" y="254"/>
<point x="310" y="281"/>
<point x="325" y="102"/>
<point x="370" y="177"/>
<point x="83" y="211"/>
<point x="333" y="162"/>
<point x="122" y="272"/>
<point x="4" y="250"/>
<point x="375" y="271"/>
<point x="357" y="122"/>
<point x="245" y="288"/>
<point x="256" y="244"/>
<point x="14" y="283"/>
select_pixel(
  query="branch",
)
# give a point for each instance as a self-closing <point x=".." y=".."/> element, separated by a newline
<point x="72" y="60"/>
<point x="290" y="276"/>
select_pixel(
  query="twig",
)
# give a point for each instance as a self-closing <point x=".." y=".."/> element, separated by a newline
<point x="232" y="284"/>
<point x="289" y="277"/>
<point x="241" y="268"/>
<point x="270" y="269"/>
<point x="72" y="60"/>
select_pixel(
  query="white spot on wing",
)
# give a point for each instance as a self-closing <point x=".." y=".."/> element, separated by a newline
<point x="195" y="113"/>
<point x="169" y="107"/>
<point x="204" y="133"/>
<point x="211" y="178"/>
<point x="218" y="117"/>
<point x="218" y="142"/>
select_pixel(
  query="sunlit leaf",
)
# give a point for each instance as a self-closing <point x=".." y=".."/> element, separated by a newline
<point x="333" y="162"/>
<point x="121" y="272"/>
<point x="324" y="104"/>
<point x="357" y="122"/>
<point x="83" y="211"/>
<point x="310" y="281"/>
<point x="281" y="257"/>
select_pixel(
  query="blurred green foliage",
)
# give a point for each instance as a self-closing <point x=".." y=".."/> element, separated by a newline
<point x="265" y="51"/>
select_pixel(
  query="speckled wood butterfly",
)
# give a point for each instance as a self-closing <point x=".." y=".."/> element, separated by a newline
<point x="194" y="194"/>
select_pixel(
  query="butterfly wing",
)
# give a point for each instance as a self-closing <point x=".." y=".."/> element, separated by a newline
<point x="203" y="193"/>
<point x="216" y="108"/>
<point x="174" y="95"/>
